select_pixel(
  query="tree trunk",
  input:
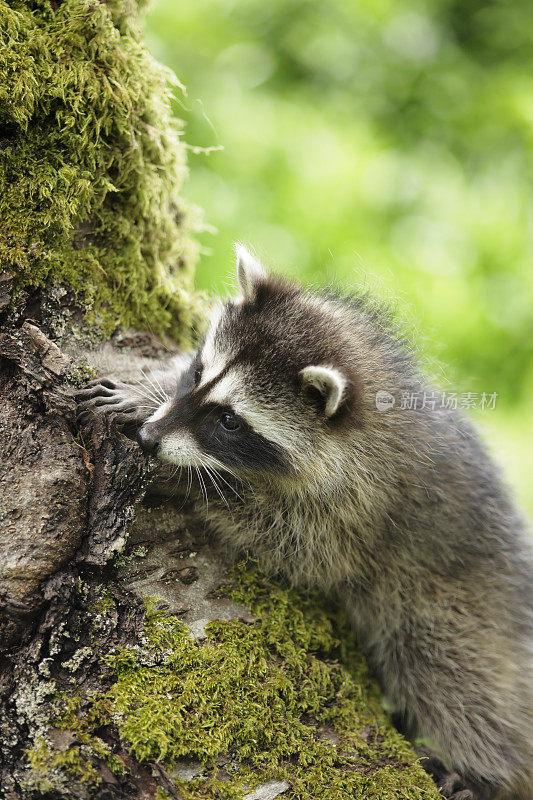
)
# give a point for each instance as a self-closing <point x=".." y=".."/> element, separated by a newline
<point x="153" y="668"/>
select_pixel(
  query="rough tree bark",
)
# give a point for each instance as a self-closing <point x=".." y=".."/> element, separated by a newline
<point x="152" y="668"/>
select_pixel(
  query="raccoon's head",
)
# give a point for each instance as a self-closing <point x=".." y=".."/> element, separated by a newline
<point x="271" y="389"/>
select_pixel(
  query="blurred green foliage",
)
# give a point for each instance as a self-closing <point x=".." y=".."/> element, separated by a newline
<point x="376" y="138"/>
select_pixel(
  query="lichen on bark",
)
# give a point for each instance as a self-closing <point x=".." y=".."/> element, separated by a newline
<point x="91" y="165"/>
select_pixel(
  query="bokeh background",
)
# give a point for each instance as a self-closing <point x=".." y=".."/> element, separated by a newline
<point x="376" y="142"/>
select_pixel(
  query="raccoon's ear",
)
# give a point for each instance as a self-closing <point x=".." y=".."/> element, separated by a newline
<point x="331" y="384"/>
<point x="250" y="272"/>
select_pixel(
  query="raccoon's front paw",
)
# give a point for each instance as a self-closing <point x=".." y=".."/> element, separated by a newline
<point x="450" y="784"/>
<point x="106" y="396"/>
<point x="454" y="787"/>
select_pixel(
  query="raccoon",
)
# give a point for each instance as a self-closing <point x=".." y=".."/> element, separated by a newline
<point x="397" y="512"/>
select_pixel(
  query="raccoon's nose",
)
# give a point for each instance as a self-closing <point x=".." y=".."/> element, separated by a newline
<point x="148" y="441"/>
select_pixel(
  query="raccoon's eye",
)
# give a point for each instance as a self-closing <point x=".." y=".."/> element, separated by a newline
<point x="229" y="421"/>
<point x="197" y="375"/>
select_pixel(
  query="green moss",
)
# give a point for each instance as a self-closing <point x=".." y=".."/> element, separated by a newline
<point x="92" y="164"/>
<point x="104" y="603"/>
<point x="271" y="696"/>
<point x="286" y="697"/>
<point x="81" y="374"/>
<point x="51" y="768"/>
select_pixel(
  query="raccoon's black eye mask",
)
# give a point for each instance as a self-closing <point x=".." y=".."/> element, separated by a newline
<point x="226" y="436"/>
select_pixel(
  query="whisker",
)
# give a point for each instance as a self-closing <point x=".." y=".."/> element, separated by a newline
<point x="173" y="473"/>
<point x="154" y="387"/>
<point x="243" y="482"/>
<point x="154" y="376"/>
<point x="189" y="486"/>
<point x="155" y="394"/>
<point x="202" y="484"/>
<point x="146" y="392"/>
<point x="167" y="385"/>
<point x="219" y="464"/>
<point x="235" y="492"/>
<point x="217" y="487"/>
<point x="189" y="482"/>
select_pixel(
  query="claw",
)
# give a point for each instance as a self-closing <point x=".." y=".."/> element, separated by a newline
<point x="94" y="391"/>
<point x="107" y="383"/>
<point x="450" y="784"/>
<point x="99" y="402"/>
<point x="105" y="396"/>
